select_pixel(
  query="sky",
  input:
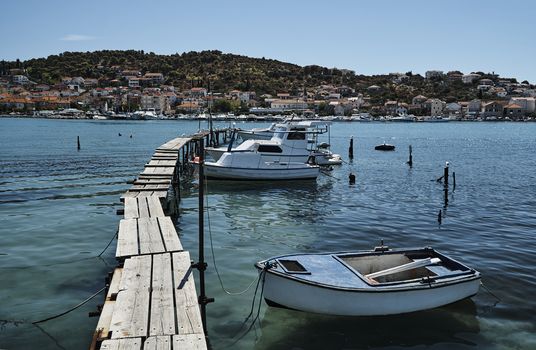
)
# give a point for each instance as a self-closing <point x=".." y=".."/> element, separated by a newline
<point x="369" y="37"/>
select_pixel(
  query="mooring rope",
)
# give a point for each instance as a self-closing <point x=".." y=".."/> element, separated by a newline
<point x="491" y="293"/>
<point x="214" y="255"/>
<point x="65" y="262"/>
<point x="71" y="309"/>
<point x="263" y="274"/>
<point x="17" y="322"/>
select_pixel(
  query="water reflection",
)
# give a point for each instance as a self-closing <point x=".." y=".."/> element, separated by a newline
<point x="286" y="329"/>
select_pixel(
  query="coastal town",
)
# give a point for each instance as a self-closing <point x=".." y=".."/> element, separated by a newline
<point x="138" y="94"/>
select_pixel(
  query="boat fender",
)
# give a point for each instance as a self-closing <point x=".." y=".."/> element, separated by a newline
<point x="311" y="160"/>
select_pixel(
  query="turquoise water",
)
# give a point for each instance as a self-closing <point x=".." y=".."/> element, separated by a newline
<point x="57" y="213"/>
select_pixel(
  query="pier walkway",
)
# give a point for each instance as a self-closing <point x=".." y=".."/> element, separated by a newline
<point x="151" y="301"/>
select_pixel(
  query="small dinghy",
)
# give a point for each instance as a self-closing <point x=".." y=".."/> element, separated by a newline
<point x="385" y="147"/>
<point x="367" y="283"/>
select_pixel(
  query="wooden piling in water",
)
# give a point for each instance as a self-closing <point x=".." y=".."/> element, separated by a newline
<point x="446" y="174"/>
<point x="410" y="161"/>
<point x="351" y="148"/>
<point x="78" y="143"/>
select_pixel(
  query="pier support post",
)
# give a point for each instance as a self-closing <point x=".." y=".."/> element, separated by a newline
<point x="410" y="161"/>
<point x="202" y="265"/>
<point x="351" y="149"/>
<point x="453" y="180"/>
<point x="78" y="143"/>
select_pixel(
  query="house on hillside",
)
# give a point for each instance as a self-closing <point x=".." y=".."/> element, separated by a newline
<point x="433" y="74"/>
<point x="156" y="78"/>
<point x="469" y="78"/>
<point x="434" y="107"/>
<point x="493" y="110"/>
<point x="474" y="107"/>
<point x="453" y="109"/>
<point x="513" y="111"/>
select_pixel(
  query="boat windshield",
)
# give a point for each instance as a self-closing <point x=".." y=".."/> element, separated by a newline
<point x="280" y="133"/>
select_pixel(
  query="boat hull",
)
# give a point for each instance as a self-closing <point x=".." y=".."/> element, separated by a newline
<point x="274" y="172"/>
<point x="332" y="301"/>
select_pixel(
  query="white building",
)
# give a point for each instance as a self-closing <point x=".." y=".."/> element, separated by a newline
<point x="153" y="101"/>
<point x="20" y="79"/>
<point x="469" y="78"/>
<point x="435" y="106"/>
<point x="133" y="82"/>
<point x="433" y="74"/>
<point x="291" y="104"/>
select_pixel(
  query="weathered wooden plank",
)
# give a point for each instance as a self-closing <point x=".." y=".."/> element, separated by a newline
<point x="153" y="182"/>
<point x="194" y="341"/>
<point x="159" y="156"/>
<point x="169" y="234"/>
<point x="143" y="208"/>
<point x="131" y="208"/>
<point x="158" y="343"/>
<point x="149" y="236"/>
<point x="122" y="344"/>
<point x="113" y="289"/>
<point x="159" y="171"/>
<point x="167" y="150"/>
<point x="162" y="320"/>
<point x="155" y="177"/>
<point x="187" y="308"/>
<point x="159" y="194"/>
<point x="131" y="312"/>
<point x="161" y="163"/>
<point x="149" y="187"/>
<point x="105" y="318"/>
<point x="155" y="207"/>
<point x="127" y="238"/>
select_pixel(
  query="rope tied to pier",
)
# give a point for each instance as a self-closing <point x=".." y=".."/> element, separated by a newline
<point x="214" y="256"/>
<point x="71" y="309"/>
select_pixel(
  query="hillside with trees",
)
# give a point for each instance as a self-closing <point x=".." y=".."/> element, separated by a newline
<point x="221" y="72"/>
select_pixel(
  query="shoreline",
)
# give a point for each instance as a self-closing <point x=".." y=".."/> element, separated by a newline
<point x="269" y="119"/>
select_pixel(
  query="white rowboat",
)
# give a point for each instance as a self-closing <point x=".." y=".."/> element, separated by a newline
<point x="367" y="283"/>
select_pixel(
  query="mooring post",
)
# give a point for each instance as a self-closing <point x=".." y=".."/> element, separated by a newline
<point x="439" y="217"/>
<point x="351" y="179"/>
<point x="410" y="161"/>
<point x="78" y="143"/>
<point x="446" y="174"/>
<point x="351" y="149"/>
<point x="453" y="180"/>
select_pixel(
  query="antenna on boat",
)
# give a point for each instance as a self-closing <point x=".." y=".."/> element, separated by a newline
<point x="201" y="266"/>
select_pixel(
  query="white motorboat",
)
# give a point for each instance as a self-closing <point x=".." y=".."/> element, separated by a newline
<point x="148" y="114"/>
<point x="321" y="152"/>
<point x="283" y="157"/>
<point x="290" y="137"/>
<point x="367" y="283"/>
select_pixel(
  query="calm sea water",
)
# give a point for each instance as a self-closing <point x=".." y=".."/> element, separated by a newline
<point x="57" y="213"/>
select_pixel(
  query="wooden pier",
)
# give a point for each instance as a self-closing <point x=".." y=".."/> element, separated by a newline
<point x="151" y="300"/>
